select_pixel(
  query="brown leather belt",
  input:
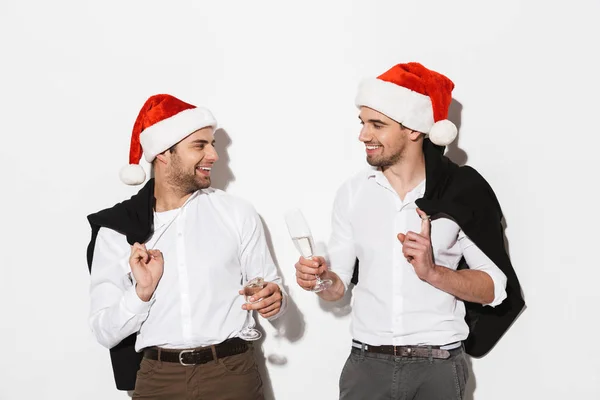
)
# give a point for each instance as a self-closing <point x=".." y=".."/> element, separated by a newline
<point x="405" y="351"/>
<point x="200" y="355"/>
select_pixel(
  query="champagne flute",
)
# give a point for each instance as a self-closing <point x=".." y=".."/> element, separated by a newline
<point x="302" y="238"/>
<point x="253" y="286"/>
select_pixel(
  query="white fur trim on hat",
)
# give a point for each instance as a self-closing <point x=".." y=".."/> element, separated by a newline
<point x="132" y="174"/>
<point x="443" y="133"/>
<point x="411" y="109"/>
<point x="159" y="137"/>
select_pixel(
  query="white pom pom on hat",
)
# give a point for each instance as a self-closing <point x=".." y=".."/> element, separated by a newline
<point x="132" y="174"/>
<point x="443" y="133"/>
<point x="163" y="121"/>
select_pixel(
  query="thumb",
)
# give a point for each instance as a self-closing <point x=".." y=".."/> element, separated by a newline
<point x="401" y="237"/>
<point x="155" y="254"/>
<point x="320" y="260"/>
<point x="425" y="223"/>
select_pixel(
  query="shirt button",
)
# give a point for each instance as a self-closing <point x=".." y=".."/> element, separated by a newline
<point x="180" y="234"/>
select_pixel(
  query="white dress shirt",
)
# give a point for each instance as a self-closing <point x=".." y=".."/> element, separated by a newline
<point x="211" y="246"/>
<point x="391" y="305"/>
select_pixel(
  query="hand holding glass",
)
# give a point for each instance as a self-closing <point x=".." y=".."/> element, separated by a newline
<point x="253" y="286"/>
<point x="300" y="233"/>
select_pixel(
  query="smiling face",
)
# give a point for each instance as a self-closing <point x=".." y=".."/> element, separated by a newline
<point x="188" y="165"/>
<point x="385" y="139"/>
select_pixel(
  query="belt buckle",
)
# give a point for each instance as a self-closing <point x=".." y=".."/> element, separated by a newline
<point x="398" y="351"/>
<point x="181" y="353"/>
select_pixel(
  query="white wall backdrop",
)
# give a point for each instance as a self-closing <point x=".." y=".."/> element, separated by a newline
<point x="281" y="79"/>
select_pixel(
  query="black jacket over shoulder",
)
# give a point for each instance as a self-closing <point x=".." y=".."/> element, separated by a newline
<point x="464" y="195"/>
<point x="134" y="218"/>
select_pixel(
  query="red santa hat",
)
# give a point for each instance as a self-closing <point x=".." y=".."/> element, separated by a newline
<point x="163" y="121"/>
<point x="414" y="96"/>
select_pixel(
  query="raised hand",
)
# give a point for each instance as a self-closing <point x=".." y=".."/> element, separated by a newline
<point x="147" y="268"/>
<point x="417" y="249"/>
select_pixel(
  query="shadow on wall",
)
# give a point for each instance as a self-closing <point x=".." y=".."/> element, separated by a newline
<point x="453" y="152"/>
<point x="221" y="175"/>
<point x="289" y="326"/>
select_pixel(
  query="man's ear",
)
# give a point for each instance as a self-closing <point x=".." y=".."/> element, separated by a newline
<point x="162" y="158"/>
<point x="415" y="135"/>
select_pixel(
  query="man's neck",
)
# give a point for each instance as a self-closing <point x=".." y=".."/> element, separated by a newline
<point x="168" y="198"/>
<point x="407" y="173"/>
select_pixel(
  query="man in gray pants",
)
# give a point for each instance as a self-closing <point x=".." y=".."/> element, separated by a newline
<point x="407" y="220"/>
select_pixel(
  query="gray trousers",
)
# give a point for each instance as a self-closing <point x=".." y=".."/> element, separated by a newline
<point x="375" y="376"/>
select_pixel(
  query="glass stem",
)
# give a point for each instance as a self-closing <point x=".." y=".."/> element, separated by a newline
<point x="316" y="276"/>
<point x="247" y="326"/>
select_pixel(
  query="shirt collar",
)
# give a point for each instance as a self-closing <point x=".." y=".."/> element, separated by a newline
<point x="377" y="174"/>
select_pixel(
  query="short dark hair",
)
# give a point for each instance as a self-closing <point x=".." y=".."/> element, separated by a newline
<point x="170" y="150"/>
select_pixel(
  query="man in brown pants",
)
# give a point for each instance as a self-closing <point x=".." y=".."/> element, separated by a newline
<point x="228" y="377"/>
<point x="180" y="306"/>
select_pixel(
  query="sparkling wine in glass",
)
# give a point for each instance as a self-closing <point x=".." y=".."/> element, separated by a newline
<point x="302" y="238"/>
<point x="253" y="286"/>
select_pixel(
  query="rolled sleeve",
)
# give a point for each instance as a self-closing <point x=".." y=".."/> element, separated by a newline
<point x="478" y="260"/>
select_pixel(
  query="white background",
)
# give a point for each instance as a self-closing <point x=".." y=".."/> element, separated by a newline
<point x="281" y="78"/>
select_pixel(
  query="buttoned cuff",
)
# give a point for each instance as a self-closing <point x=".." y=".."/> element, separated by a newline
<point x="133" y="304"/>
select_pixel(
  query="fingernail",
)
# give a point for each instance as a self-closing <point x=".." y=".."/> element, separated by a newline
<point x="251" y="298"/>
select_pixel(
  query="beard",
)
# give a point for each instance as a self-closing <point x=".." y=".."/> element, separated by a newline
<point x="186" y="179"/>
<point x="385" y="161"/>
